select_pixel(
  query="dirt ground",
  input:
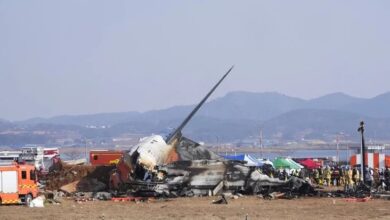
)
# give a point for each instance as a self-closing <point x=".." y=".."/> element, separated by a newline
<point x="201" y="208"/>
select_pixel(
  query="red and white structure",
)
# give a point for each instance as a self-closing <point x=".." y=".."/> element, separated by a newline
<point x="374" y="160"/>
<point x="42" y="158"/>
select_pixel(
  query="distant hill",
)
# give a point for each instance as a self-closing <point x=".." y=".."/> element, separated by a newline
<point x="240" y="106"/>
<point x="323" y="124"/>
<point x="378" y="107"/>
<point x="251" y="106"/>
<point x="93" y="119"/>
<point x="4" y="124"/>
<point x="335" y="101"/>
<point x="237" y="115"/>
<point x="235" y="105"/>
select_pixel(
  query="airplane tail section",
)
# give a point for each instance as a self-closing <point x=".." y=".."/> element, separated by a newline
<point x="177" y="133"/>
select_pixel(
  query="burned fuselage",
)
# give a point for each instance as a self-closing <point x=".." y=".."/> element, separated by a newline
<point x="192" y="171"/>
<point x="142" y="161"/>
<point x="199" y="172"/>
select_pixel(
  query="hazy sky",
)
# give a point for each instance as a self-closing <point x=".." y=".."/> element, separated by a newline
<point x="72" y="57"/>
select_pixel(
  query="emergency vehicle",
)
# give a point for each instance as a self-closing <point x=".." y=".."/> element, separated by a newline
<point x="104" y="157"/>
<point x="18" y="183"/>
<point x="44" y="159"/>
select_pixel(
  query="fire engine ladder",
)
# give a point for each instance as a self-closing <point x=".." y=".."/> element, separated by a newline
<point x="6" y="163"/>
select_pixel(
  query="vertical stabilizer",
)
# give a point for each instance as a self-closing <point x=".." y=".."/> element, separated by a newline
<point x="177" y="132"/>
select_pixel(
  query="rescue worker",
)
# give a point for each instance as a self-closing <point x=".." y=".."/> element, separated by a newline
<point x="335" y="177"/>
<point x="376" y="177"/>
<point x="331" y="177"/>
<point x="321" y="173"/>
<point x="316" y="175"/>
<point x="285" y="174"/>
<point x="386" y="176"/>
<point x="302" y="173"/>
<point x="356" y="176"/>
<point x="292" y="172"/>
<point x="342" y="176"/>
<point x="349" y="178"/>
<point x="382" y="179"/>
<point x="296" y="173"/>
<point x="328" y="176"/>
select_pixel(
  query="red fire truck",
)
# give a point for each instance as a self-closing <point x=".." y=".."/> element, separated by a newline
<point x="18" y="183"/>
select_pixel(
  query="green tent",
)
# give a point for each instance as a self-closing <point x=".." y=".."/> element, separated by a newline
<point x="282" y="163"/>
<point x="296" y="165"/>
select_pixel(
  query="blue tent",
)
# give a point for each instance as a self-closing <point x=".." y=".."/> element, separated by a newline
<point x="250" y="161"/>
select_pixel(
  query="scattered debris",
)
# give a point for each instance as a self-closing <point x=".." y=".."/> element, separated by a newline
<point x="82" y="200"/>
<point x="104" y="196"/>
<point x="76" y="162"/>
<point x="382" y="196"/>
<point x="274" y="195"/>
<point x="81" y="197"/>
<point x="223" y="200"/>
<point x="69" y="174"/>
<point x="38" y="202"/>
<point x="54" y="197"/>
<point x="130" y="199"/>
<point x="70" y="188"/>
<point x="90" y="185"/>
<point x="358" y="199"/>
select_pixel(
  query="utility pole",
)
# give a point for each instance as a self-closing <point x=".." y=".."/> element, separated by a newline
<point x="85" y="149"/>
<point x="217" y="144"/>
<point x="363" y="152"/>
<point x="338" y="149"/>
<point x="261" y="143"/>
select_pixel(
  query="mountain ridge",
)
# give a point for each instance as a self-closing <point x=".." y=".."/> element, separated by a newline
<point x="237" y="105"/>
<point x="236" y="116"/>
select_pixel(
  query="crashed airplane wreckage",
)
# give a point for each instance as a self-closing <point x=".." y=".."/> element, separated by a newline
<point x="178" y="166"/>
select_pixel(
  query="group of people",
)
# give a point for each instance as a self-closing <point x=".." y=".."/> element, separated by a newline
<point x="350" y="177"/>
<point x="346" y="177"/>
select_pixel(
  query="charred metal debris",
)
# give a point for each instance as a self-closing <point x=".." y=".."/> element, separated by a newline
<point x="177" y="166"/>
